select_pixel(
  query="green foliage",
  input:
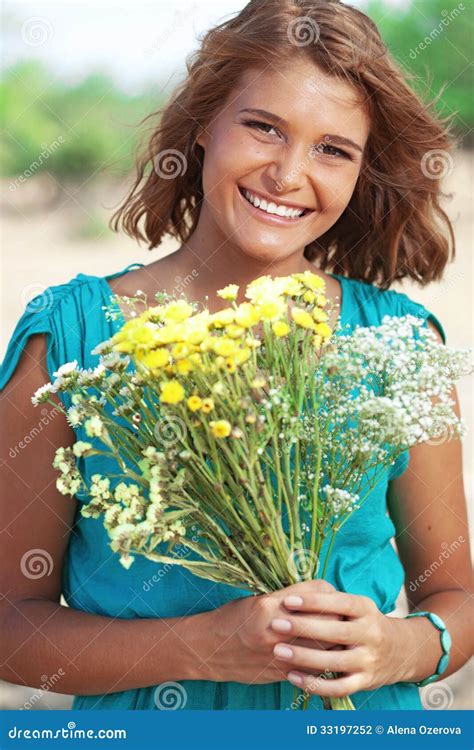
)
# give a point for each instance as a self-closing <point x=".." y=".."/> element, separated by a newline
<point x="433" y="39"/>
<point x="91" y="128"/>
<point x="70" y="131"/>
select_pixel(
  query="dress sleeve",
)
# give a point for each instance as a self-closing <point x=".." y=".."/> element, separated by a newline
<point x="408" y="305"/>
<point x="38" y="317"/>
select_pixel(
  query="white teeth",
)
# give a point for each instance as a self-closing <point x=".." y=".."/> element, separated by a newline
<point x="273" y="208"/>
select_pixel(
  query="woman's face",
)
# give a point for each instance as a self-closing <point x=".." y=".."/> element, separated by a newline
<point x="281" y="155"/>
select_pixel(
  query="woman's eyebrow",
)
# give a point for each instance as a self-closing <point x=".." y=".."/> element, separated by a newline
<point x="341" y="140"/>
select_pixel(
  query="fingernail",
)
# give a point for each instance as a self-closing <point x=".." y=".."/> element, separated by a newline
<point x="282" y="625"/>
<point x="283" y="651"/>
<point x="294" y="601"/>
<point x="294" y="678"/>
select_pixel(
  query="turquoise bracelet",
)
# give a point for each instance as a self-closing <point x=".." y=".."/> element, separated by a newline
<point x="445" y="639"/>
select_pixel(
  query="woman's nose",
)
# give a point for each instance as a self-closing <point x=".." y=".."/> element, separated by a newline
<point x="290" y="169"/>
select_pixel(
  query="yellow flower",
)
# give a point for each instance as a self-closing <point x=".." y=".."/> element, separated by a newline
<point x="170" y="333"/>
<point x="271" y="309"/>
<point x="207" y="405"/>
<point x="225" y="347"/>
<point x="154" y="358"/>
<point x="183" y="366"/>
<point x="311" y="281"/>
<point x="242" y="356"/>
<point x="317" y="340"/>
<point x="302" y="318"/>
<point x="196" y="359"/>
<point x="222" y="317"/>
<point x="319" y="315"/>
<point x="323" y="330"/>
<point x="180" y="351"/>
<point x="234" y="332"/>
<point x="142" y="335"/>
<point x="177" y="311"/>
<point x="221" y="428"/>
<point x="194" y="403"/>
<point x="171" y="392"/>
<point x="228" y="292"/>
<point x="196" y="334"/>
<point x="246" y="315"/>
<point x="280" y="328"/>
<point x="230" y="365"/>
<point x="292" y="287"/>
<point x="321" y="300"/>
<point x="127" y="347"/>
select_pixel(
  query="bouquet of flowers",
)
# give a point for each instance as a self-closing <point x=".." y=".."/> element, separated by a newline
<point x="254" y="426"/>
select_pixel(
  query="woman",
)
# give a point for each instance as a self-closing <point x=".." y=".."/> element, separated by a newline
<point x="294" y="143"/>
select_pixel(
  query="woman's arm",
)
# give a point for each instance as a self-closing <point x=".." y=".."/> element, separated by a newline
<point x="39" y="636"/>
<point x="428" y="507"/>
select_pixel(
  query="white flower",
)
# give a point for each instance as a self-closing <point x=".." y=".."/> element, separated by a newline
<point x="340" y="501"/>
<point x="74" y="416"/>
<point x="95" y="427"/>
<point x="66" y="369"/>
<point x="80" y="448"/>
<point x="42" y="394"/>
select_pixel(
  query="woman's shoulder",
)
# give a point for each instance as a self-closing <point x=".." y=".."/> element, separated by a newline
<point x="369" y="304"/>
<point x="71" y="316"/>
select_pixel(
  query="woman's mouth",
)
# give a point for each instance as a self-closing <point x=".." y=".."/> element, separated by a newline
<point x="276" y="213"/>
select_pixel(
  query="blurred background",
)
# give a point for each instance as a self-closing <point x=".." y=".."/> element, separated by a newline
<point x="76" y="80"/>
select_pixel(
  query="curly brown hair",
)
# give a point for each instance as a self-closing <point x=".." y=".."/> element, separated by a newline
<point x="394" y="226"/>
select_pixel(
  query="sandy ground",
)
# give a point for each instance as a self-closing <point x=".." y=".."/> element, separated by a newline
<point x="44" y="245"/>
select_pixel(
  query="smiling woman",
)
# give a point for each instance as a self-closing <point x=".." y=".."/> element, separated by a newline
<point x="293" y="144"/>
<point x="302" y="104"/>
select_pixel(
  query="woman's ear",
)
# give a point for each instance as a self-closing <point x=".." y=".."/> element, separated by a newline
<point x="202" y="139"/>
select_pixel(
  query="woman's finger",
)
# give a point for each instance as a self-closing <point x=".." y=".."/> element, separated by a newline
<point x="338" y="602"/>
<point x="312" y="660"/>
<point x="327" y="686"/>
<point x="305" y="626"/>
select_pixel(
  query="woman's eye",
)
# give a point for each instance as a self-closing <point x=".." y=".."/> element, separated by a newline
<point x="257" y="125"/>
<point x="338" y="151"/>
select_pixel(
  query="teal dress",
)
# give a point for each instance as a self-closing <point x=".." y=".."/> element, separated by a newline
<point x="362" y="561"/>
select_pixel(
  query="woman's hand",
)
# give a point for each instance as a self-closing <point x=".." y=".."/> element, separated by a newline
<point x="371" y="654"/>
<point x="240" y="639"/>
